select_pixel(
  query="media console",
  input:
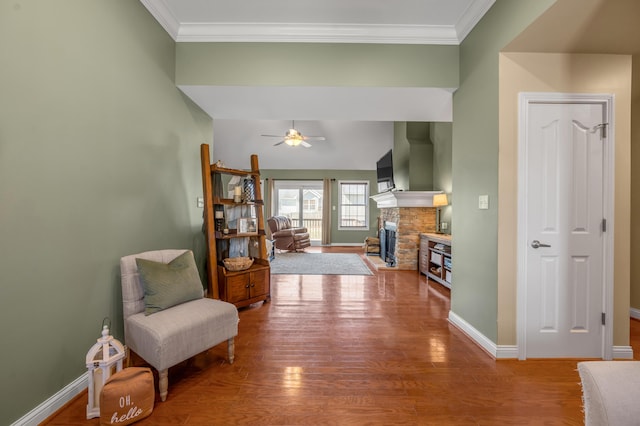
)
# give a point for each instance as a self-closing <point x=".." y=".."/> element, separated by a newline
<point x="435" y="257"/>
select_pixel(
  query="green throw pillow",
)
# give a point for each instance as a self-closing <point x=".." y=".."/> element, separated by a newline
<point x="169" y="284"/>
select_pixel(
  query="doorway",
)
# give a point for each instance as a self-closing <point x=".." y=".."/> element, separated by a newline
<point x="301" y="201"/>
<point x="565" y="226"/>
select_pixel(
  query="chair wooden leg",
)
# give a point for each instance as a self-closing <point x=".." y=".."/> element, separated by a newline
<point x="163" y="383"/>
<point x="231" y="348"/>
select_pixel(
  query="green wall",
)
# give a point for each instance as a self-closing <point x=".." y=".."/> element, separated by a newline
<point x="337" y="236"/>
<point x="475" y="161"/>
<point x="301" y="64"/>
<point x="421" y="158"/>
<point x="401" y="156"/>
<point x="99" y="158"/>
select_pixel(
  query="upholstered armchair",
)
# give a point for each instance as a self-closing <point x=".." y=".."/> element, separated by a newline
<point x="286" y="237"/>
<point x="166" y="318"/>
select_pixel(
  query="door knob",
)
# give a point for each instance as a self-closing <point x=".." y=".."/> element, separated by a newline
<point x="535" y="244"/>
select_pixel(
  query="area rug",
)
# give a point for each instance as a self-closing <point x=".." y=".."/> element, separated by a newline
<point x="319" y="264"/>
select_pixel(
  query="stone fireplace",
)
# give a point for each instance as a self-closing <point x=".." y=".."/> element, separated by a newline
<point x="408" y="213"/>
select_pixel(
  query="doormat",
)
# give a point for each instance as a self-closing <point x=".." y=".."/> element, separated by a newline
<point x="319" y="264"/>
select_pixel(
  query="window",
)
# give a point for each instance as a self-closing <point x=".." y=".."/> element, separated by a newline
<point x="310" y="205"/>
<point x="354" y="205"/>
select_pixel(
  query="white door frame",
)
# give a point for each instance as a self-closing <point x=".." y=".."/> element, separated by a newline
<point x="525" y="100"/>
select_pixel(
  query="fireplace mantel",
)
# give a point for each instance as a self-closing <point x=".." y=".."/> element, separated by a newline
<point x="405" y="199"/>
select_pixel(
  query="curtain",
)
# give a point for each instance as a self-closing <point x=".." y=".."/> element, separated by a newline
<point x="326" y="211"/>
<point x="269" y="206"/>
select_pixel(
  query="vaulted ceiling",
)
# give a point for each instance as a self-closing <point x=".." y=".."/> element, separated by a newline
<point x="358" y="128"/>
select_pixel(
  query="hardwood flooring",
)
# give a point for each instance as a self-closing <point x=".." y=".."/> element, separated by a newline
<point x="359" y="350"/>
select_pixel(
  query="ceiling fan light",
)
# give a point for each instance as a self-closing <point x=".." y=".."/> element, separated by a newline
<point x="293" y="141"/>
<point x="293" y="133"/>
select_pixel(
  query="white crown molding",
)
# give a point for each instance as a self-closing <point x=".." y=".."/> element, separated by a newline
<point x="161" y="12"/>
<point x="316" y="33"/>
<point x="471" y="17"/>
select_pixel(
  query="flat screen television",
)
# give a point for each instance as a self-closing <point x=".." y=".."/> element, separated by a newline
<point x="384" y="168"/>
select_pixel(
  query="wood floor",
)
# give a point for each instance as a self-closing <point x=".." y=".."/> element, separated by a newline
<point x="358" y="350"/>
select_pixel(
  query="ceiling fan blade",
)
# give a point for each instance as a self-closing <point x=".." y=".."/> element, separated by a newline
<point x="279" y="143"/>
<point x="305" y="144"/>
<point x="272" y="136"/>
<point x="317" y="138"/>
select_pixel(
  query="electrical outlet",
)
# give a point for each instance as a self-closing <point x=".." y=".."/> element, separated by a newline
<point x="200" y="202"/>
<point x="444" y="225"/>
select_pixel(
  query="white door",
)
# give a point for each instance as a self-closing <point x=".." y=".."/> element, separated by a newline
<point x="301" y="201"/>
<point x="562" y="238"/>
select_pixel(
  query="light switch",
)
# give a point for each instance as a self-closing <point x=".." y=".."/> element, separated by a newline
<point x="483" y="202"/>
<point x="200" y="202"/>
<point x="444" y="225"/>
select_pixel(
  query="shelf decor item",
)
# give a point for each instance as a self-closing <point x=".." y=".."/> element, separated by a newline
<point x="247" y="225"/>
<point x="237" y="194"/>
<point x="219" y="219"/>
<point x="248" y="190"/>
<point x="234" y="264"/>
<point x="103" y="359"/>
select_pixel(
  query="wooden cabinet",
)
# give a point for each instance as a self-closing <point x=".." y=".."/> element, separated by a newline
<point x="243" y="288"/>
<point x="234" y="227"/>
<point x="435" y="257"/>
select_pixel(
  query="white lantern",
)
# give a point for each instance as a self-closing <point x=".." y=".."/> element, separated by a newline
<point x="103" y="359"/>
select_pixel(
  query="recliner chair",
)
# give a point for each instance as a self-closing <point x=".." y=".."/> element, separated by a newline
<point x="285" y="237"/>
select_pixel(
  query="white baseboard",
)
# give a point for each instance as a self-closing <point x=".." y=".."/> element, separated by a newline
<point x="634" y="313"/>
<point x="511" y="352"/>
<point x="507" y="352"/>
<point x="497" y="351"/>
<point x="53" y="404"/>
<point x="622" y="352"/>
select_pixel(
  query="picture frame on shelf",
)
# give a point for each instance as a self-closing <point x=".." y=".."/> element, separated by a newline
<point x="248" y="226"/>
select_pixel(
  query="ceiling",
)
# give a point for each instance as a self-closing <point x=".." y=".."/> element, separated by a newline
<point x="357" y="122"/>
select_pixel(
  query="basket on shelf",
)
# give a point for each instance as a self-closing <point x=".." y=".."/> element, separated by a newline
<point x="237" y="263"/>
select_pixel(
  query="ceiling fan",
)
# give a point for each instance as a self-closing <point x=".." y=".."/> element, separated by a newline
<point x="294" y="138"/>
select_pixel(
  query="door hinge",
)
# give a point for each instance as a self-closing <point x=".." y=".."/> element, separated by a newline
<point x="604" y="225"/>
<point x="604" y="318"/>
